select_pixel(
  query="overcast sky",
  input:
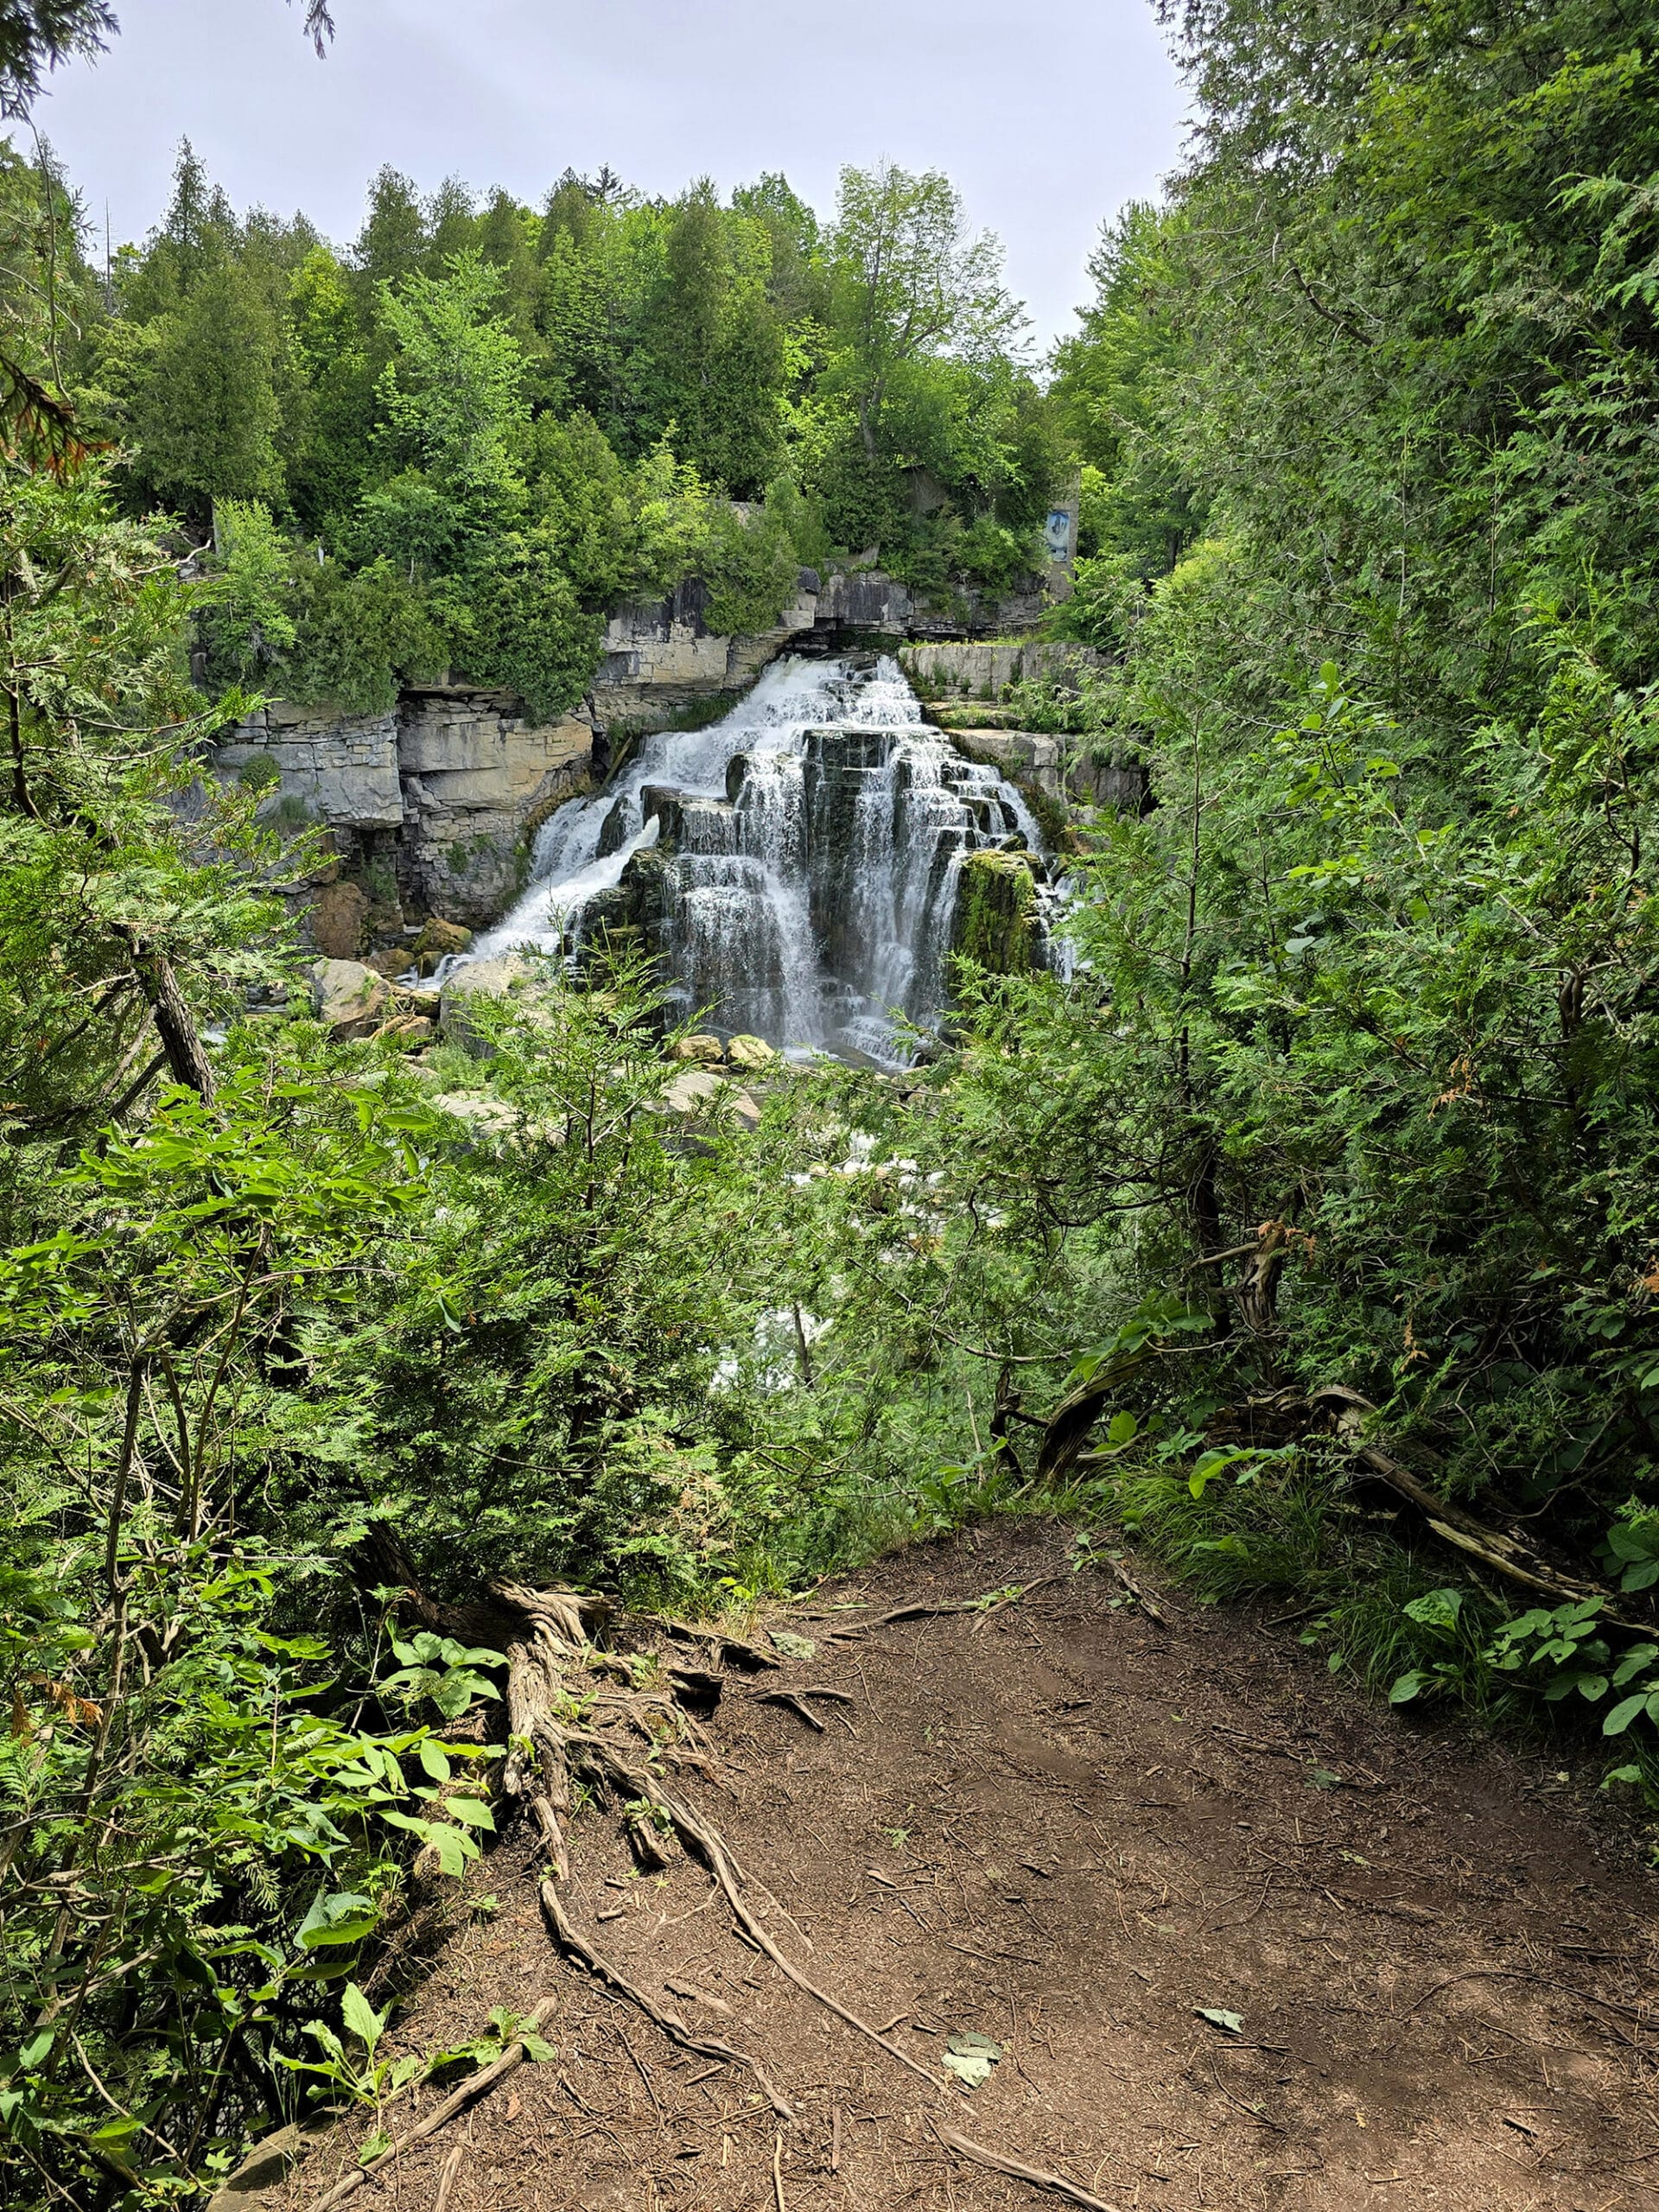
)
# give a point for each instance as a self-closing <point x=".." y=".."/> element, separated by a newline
<point x="1047" y="117"/>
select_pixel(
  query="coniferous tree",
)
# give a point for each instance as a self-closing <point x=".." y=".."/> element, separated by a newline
<point x="393" y="240"/>
<point x="207" y="418"/>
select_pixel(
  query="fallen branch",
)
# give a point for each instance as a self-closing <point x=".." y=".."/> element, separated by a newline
<point x="452" y="2166"/>
<point x="1643" y="2018"/>
<point x="1504" y="1552"/>
<point x="567" y="1935"/>
<point x="1125" y="1581"/>
<point x="1039" y="2176"/>
<point x="992" y="1602"/>
<point x="475" y="2086"/>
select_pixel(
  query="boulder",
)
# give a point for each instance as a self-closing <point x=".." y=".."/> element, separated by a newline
<point x="707" y="1051"/>
<point x="348" y="998"/>
<point x="437" y="941"/>
<point x="483" y="1117"/>
<point x="697" y="1091"/>
<point x="750" y="1052"/>
<point x="522" y="982"/>
<point x="391" y="963"/>
<point x="336" y="917"/>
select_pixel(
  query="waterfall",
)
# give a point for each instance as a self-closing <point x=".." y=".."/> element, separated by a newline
<point x="794" y="864"/>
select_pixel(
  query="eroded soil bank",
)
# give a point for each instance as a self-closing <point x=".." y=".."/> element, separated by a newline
<point x="1073" y="1830"/>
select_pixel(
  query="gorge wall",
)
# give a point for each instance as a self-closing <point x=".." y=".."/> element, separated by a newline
<point x="431" y="807"/>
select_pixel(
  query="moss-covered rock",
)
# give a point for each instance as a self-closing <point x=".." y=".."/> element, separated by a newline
<point x="994" y="925"/>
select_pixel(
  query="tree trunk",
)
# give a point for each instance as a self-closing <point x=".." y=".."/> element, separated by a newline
<point x="174" y="1024"/>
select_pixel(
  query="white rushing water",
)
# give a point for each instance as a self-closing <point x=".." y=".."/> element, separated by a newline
<point x="812" y="841"/>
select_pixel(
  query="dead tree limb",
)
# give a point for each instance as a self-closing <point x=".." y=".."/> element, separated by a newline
<point x="174" y="1023"/>
<point x="1076" y="1415"/>
<point x="475" y="2086"/>
<point x="1345" y="1413"/>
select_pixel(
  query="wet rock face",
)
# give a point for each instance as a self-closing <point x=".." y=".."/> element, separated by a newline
<point x="994" y="923"/>
<point x="627" y="917"/>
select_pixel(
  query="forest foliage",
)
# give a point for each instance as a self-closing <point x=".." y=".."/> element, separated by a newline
<point x="1349" y="1088"/>
<point x="455" y="446"/>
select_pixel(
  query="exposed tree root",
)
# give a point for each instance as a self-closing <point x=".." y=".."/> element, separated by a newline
<point x="797" y="1705"/>
<point x="707" y="1844"/>
<point x="749" y="1656"/>
<point x="921" y="1610"/>
<point x="1039" y="2176"/>
<point x="575" y="1709"/>
<point x="475" y="2086"/>
<point x="567" y="1935"/>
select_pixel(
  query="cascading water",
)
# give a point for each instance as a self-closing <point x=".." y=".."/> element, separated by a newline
<point x="796" y="864"/>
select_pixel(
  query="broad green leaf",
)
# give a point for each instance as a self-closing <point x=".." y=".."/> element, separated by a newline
<point x="360" y="2017"/>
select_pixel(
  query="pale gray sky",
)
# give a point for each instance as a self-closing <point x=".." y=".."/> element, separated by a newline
<point x="1048" y="117"/>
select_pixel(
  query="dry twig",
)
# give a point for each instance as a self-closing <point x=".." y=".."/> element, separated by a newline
<point x="452" y="2166"/>
<point x="1039" y="2176"/>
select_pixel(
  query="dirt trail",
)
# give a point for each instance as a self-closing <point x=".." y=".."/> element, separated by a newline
<point x="1073" y="1830"/>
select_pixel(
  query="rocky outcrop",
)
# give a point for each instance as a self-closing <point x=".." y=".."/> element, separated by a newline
<point x="630" y="918"/>
<point x="476" y="776"/>
<point x="429" y="806"/>
<point x="995" y="921"/>
<point x="963" y="669"/>
<point x="1061" y="768"/>
<point x="313" y="766"/>
<point x="662" y="659"/>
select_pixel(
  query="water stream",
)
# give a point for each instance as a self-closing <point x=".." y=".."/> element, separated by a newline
<point x="796" y="863"/>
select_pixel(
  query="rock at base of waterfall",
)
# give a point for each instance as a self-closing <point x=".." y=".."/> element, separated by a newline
<point x="707" y="1051"/>
<point x="437" y="940"/>
<point x="393" y="963"/>
<point x="750" y="1052"/>
<point x="994" y="924"/>
<point x="699" y="1092"/>
<point x="482" y="1117"/>
<point x="349" y="998"/>
<point x="523" y="984"/>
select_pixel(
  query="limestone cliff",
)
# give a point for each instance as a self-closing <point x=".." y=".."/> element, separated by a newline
<point x="429" y="807"/>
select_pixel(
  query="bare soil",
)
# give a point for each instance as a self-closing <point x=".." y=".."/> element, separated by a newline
<point x="1074" y="1830"/>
